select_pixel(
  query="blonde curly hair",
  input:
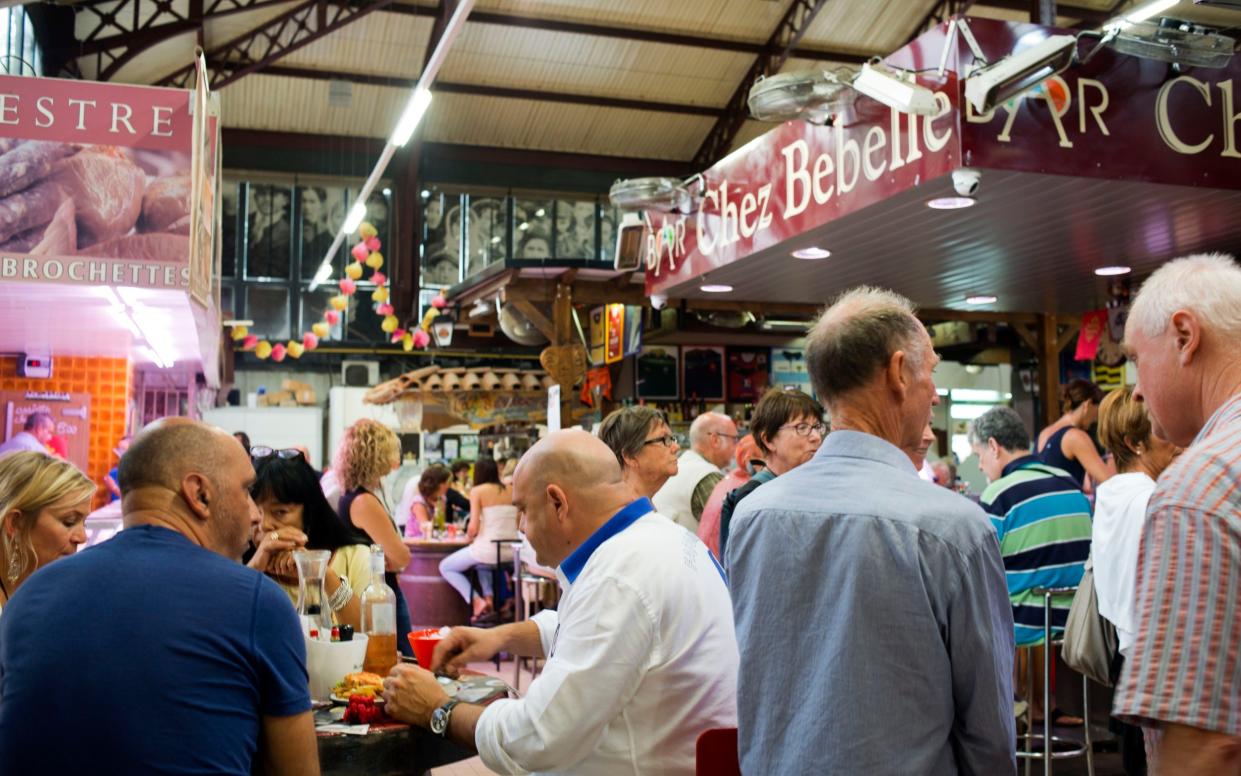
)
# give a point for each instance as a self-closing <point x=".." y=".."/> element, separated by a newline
<point x="366" y="453"/>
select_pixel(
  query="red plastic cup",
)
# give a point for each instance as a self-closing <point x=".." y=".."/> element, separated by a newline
<point x="423" y="642"/>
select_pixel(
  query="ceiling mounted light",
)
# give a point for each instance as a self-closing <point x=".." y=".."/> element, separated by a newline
<point x="664" y="195"/>
<point x="895" y="88"/>
<point x="1113" y="270"/>
<point x="813" y="95"/>
<point x="950" y="203"/>
<point x="978" y="299"/>
<point x="1020" y="72"/>
<point x="716" y="288"/>
<point x="811" y="253"/>
<point x="1173" y="41"/>
<point x="418" y="103"/>
<point x="1144" y="12"/>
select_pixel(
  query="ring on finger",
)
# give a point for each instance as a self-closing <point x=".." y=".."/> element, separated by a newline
<point x="274" y="536"/>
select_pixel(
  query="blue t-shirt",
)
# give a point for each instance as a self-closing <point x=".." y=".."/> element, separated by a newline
<point x="145" y="654"/>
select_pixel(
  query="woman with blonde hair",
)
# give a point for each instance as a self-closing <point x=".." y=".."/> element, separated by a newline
<point x="43" y="506"/>
<point x="368" y="452"/>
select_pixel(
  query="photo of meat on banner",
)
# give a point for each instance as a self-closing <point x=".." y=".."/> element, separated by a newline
<point x="95" y="184"/>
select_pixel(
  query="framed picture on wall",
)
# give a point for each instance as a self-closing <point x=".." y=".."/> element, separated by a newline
<point x="657" y="374"/>
<point x="702" y="372"/>
<point x="748" y="373"/>
<point x="788" y="370"/>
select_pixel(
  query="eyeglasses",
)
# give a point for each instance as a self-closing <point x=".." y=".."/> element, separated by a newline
<point x="804" y="429"/>
<point x="733" y="437"/>
<point x="667" y="440"/>
<point x="287" y="453"/>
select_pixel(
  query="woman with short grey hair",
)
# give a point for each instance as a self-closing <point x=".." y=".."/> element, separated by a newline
<point x="644" y="447"/>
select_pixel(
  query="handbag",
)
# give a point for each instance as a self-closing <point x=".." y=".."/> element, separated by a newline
<point x="1090" y="644"/>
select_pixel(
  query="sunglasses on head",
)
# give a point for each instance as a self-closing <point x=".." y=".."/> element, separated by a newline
<point x="288" y="453"/>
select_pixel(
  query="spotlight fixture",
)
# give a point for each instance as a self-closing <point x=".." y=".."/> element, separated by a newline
<point x="895" y="88"/>
<point x="1017" y="73"/>
<point x="811" y="253"/>
<point x="716" y="288"/>
<point x="1112" y="270"/>
<point x="1173" y="41"/>
<point x="664" y="195"/>
<point x="950" y="203"/>
<point x="979" y="299"/>
<point x="813" y="95"/>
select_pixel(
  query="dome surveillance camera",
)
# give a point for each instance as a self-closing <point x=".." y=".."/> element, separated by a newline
<point x="966" y="181"/>
<point x="658" y="301"/>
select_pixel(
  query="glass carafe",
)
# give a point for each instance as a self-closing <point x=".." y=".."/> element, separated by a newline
<point x="312" y="605"/>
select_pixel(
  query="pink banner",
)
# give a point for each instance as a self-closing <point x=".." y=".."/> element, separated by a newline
<point x="94" y="183"/>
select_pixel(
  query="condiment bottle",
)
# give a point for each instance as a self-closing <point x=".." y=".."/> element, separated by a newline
<point x="379" y="618"/>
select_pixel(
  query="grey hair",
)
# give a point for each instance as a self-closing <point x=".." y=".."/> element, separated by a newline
<point x="1002" y="424"/>
<point x="700" y="430"/>
<point x="1207" y="284"/>
<point x="624" y="430"/>
<point x="856" y="336"/>
<point x="36" y="419"/>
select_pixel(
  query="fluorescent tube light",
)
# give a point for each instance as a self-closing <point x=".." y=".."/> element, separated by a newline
<point x="418" y="103"/>
<point x="354" y="219"/>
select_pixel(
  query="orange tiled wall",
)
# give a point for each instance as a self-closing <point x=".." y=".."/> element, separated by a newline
<point x="109" y="383"/>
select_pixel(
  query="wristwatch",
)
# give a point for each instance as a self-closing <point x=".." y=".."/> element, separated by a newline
<point x="440" y="717"/>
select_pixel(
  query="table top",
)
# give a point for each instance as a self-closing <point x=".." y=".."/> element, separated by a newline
<point x="457" y="543"/>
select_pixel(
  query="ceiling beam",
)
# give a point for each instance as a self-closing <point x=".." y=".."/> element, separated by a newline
<point x="779" y="48"/>
<point x="630" y="33"/>
<point x="252" y="51"/>
<point x="483" y="90"/>
<point x="1071" y="11"/>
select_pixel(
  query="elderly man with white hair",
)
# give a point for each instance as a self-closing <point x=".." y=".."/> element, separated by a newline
<point x="903" y="630"/>
<point x="1182" y="677"/>
<point x="712" y="441"/>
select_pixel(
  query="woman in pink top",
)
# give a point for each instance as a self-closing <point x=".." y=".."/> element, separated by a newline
<point x="709" y="524"/>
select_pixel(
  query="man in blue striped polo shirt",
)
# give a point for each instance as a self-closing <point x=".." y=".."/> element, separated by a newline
<point x="1041" y="516"/>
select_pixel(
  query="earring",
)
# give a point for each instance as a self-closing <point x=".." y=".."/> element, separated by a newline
<point x="17" y="560"/>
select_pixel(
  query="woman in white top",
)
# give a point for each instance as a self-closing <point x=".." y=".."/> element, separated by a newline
<point x="1120" y="507"/>
<point x="492" y="516"/>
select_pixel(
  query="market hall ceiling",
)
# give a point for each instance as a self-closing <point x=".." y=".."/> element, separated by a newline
<point x="645" y="79"/>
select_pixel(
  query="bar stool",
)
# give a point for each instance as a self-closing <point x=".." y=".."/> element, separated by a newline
<point x="1074" y="748"/>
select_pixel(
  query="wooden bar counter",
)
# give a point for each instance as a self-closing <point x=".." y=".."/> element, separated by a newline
<point x="432" y="601"/>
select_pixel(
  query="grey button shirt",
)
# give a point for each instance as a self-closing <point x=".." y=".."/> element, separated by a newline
<point x="873" y="619"/>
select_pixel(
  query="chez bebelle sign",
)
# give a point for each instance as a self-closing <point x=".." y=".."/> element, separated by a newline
<point x="1118" y="118"/>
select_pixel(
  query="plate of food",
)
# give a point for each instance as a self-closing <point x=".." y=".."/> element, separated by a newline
<point x="362" y="683"/>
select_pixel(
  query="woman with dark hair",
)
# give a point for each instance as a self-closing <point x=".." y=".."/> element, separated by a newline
<point x="492" y="516"/>
<point x="296" y="516"/>
<point x="1067" y="444"/>
<point x="432" y="487"/>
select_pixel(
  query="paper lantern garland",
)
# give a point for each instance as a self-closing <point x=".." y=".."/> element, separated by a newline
<point x="365" y="253"/>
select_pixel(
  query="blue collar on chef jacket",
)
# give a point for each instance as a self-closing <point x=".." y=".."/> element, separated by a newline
<point x="573" y="565"/>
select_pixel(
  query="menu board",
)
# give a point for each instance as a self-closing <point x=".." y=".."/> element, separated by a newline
<point x="70" y="410"/>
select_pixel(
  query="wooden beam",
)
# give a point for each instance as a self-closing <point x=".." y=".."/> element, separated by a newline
<point x="540" y="321"/>
<point x="583" y="293"/>
<point x="976" y="316"/>
<point x="1067" y="335"/>
<point x="1048" y="370"/>
<point x="1028" y="336"/>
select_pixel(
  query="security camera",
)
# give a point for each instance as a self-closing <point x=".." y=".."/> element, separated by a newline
<point x="659" y="301"/>
<point x="966" y="182"/>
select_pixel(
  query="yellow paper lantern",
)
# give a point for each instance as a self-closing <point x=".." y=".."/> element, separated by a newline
<point x="407" y="342"/>
<point x="380" y="294"/>
<point x="295" y="349"/>
<point x="354" y="270"/>
<point x="340" y="302"/>
<point x="367" y="230"/>
<point x="263" y="349"/>
<point x="375" y="260"/>
<point x="389" y="324"/>
<point x="321" y="330"/>
<point x="240" y="332"/>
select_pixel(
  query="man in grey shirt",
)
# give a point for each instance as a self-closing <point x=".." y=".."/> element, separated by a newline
<point x="871" y="604"/>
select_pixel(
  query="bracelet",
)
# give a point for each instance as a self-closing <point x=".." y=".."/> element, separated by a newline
<point x="340" y="598"/>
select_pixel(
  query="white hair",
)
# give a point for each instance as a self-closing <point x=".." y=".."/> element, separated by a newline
<point x="700" y="430"/>
<point x="1207" y="284"/>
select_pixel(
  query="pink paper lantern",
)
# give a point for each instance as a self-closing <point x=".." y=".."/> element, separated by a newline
<point x="332" y="317"/>
<point x="278" y="352"/>
<point x="421" y="339"/>
<point x="439" y="302"/>
<point x="385" y="309"/>
<point x="360" y="251"/>
<point x="250" y="342"/>
<point x="373" y="243"/>
<point x="347" y="286"/>
<point x="310" y="341"/>
<point x="379" y="278"/>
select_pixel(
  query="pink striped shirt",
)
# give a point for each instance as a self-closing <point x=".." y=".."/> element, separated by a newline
<point x="1185" y="665"/>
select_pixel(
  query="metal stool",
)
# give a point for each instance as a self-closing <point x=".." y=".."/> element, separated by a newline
<point x="1048" y="753"/>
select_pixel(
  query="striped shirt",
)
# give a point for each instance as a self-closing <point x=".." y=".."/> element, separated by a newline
<point x="1043" y="522"/>
<point x="1185" y="666"/>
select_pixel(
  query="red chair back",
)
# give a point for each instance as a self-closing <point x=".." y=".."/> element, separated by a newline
<point x="716" y="754"/>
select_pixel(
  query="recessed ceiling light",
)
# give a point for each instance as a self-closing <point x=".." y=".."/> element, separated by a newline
<point x="716" y="288"/>
<point x="1114" y="270"/>
<point x="950" y="203"/>
<point x="981" y="299"/>
<point x="811" y="253"/>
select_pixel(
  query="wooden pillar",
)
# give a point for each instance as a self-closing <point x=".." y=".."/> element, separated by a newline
<point x="405" y="254"/>
<point x="1048" y="369"/>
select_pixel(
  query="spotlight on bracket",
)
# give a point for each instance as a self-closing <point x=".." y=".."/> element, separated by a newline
<point x="1017" y="73"/>
<point x="1177" y="42"/>
<point x="895" y="88"/>
<point x="816" y="96"/>
<point x="663" y="195"/>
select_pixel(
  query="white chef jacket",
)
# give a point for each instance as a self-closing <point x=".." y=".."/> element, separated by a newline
<point x="642" y="658"/>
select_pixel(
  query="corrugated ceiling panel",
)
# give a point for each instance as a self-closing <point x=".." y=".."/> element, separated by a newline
<point x="1017" y="16"/>
<point x="156" y="62"/>
<point x="574" y="128"/>
<point x="866" y="26"/>
<point x="749" y="20"/>
<point x="750" y="131"/>
<point x="532" y="59"/>
<point x="224" y="29"/>
<point x="377" y="44"/>
<point x="301" y="105"/>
